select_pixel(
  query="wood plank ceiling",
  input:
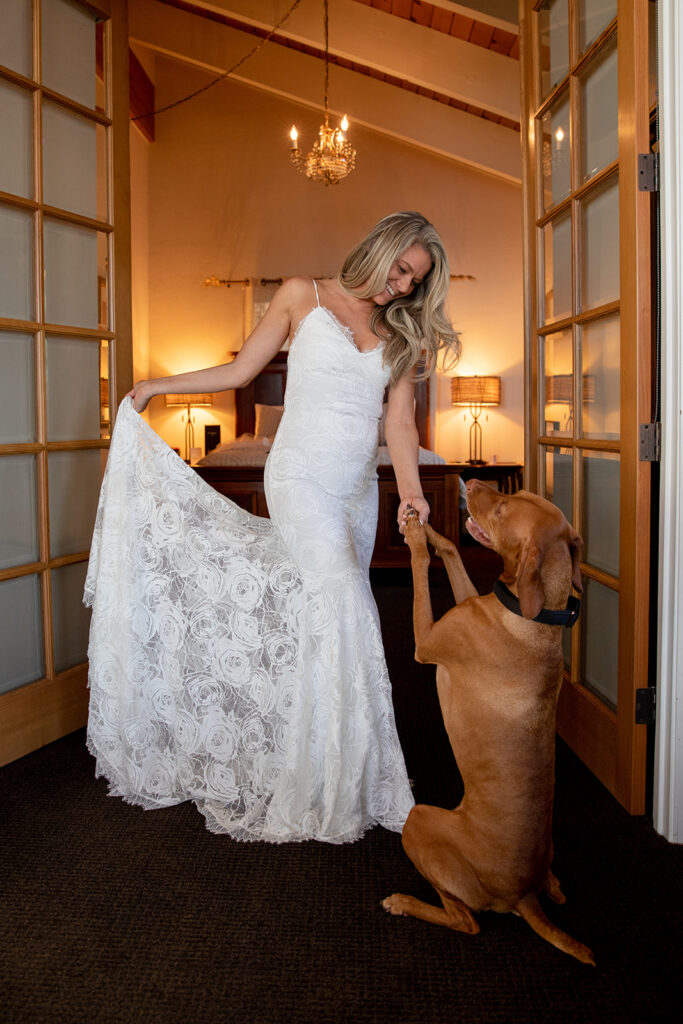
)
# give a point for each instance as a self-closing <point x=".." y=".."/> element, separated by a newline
<point x="427" y="15"/>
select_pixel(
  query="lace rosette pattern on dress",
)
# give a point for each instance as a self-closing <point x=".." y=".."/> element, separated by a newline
<point x="238" y="661"/>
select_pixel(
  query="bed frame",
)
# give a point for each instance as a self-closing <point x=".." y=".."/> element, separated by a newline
<point x="244" y="485"/>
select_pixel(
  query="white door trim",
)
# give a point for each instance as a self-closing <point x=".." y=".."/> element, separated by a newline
<point x="668" y="766"/>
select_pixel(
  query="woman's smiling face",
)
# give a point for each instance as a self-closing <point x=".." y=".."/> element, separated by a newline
<point x="406" y="272"/>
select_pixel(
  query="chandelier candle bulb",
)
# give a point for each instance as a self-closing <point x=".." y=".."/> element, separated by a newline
<point x="331" y="157"/>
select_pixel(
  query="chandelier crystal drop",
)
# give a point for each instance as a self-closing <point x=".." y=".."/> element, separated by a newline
<point x="332" y="156"/>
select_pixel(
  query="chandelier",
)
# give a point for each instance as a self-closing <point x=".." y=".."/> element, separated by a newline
<point x="331" y="157"/>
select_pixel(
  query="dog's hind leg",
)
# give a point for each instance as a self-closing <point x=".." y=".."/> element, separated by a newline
<point x="436" y="856"/>
<point x="552" y="887"/>
<point x="454" y="914"/>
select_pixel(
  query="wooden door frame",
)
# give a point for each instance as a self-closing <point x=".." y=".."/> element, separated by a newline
<point x="612" y="747"/>
<point x="43" y="711"/>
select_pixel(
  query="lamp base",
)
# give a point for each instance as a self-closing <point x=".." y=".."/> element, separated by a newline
<point x="475" y="458"/>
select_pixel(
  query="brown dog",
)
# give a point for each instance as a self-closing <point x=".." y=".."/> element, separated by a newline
<point x="498" y="678"/>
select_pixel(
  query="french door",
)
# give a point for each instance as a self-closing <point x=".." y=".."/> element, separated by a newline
<point x="57" y="350"/>
<point x="587" y="105"/>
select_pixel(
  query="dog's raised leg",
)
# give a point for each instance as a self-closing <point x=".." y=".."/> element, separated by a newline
<point x="461" y="584"/>
<point x="423" y="614"/>
<point x="425" y="629"/>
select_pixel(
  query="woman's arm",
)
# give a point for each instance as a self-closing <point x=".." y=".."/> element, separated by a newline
<point x="403" y="442"/>
<point x="260" y="347"/>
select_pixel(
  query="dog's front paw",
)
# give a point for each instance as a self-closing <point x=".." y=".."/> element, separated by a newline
<point x="440" y="544"/>
<point x="396" y="904"/>
<point x="414" y="533"/>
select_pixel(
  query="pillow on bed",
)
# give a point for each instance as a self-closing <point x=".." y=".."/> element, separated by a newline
<point x="267" y="419"/>
<point x="246" y="450"/>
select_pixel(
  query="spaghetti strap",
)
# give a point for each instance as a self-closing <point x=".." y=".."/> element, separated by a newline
<point x="317" y="297"/>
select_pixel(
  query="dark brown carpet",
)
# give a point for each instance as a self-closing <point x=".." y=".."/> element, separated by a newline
<point x="111" y="914"/>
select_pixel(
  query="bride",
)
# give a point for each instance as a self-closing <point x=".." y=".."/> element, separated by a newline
<point x="237" y="661"/>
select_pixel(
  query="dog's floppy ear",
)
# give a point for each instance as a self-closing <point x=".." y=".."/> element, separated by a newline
<point x="575" y="548"/>
<point x="529" y="584"/>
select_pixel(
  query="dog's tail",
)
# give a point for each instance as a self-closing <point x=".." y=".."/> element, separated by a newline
<point x="529" y="909"/>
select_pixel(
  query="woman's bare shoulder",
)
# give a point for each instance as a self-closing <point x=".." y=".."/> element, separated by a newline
<point x="297" y="290"/>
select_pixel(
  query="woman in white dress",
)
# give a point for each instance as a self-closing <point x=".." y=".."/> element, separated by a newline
<point x="237" y="661"/>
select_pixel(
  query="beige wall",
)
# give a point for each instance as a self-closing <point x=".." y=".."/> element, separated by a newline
<point x="224" y="200"/>
<point x="139" y="215"/>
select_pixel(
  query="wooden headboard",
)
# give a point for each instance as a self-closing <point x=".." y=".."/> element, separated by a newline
<point x="269" y="389"/>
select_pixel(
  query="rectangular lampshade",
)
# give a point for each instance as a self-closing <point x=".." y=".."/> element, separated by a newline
<point x="475" y="390"/>
<point x="559" y="388"/>
<point x="189" y="399"/>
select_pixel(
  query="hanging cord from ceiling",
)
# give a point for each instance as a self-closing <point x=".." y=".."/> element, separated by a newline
<point x="226" y="74"/>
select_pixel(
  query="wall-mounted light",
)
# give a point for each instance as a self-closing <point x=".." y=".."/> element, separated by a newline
<point x="189" y="401"/>
<point x="476" y="393"/>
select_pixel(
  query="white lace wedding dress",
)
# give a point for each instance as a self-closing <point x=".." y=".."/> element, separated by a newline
<point x="237" y="661"/>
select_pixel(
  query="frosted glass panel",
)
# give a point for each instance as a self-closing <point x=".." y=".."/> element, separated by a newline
<point x="555" y="163"/>
<point x="599" y="112"/>
<point x="600" y="248"/>
<point x="600" y="511"/>
<point x="16" y="263"/>
<point x="73" y="487"/>
<point x="601" y="408"/>
<point x="71" y="619"/>
<point x="21" y="639"/>
<point x="558" y="479"/>
<point x="557" y="255"/>
<point x="600" y="632"/>
<point x="16" y="37"/>
<point x="17" y="403"/>
<point x="594" y="17"/>
<point x="553" y="23"/>
<point x="16" y="152"/>
<point x="73" y="389"/>
<point x="70" y="155"/>
<point x="69" y="29"/>
<point x="70" y="274"/>
<point x="18" y="511"/>
<point x="558" y="383"/>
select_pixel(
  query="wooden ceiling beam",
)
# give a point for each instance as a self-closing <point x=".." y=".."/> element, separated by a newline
<point x="406" y="116"/>
<point x="446" y="64"/>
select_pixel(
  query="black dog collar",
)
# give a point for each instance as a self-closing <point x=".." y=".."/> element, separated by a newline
<point x="547" y="616"/>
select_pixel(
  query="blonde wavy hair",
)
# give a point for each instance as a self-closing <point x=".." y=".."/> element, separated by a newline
<point x="414" y="328"/>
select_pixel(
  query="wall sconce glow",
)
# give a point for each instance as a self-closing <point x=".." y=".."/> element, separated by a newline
<point x="559" y="134"/>
<point x="294" y="135"/>
<point x="475" y="392"/>
<point x="190" y="401"/>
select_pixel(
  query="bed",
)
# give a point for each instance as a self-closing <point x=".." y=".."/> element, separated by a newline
<point x="235" y="469"/>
